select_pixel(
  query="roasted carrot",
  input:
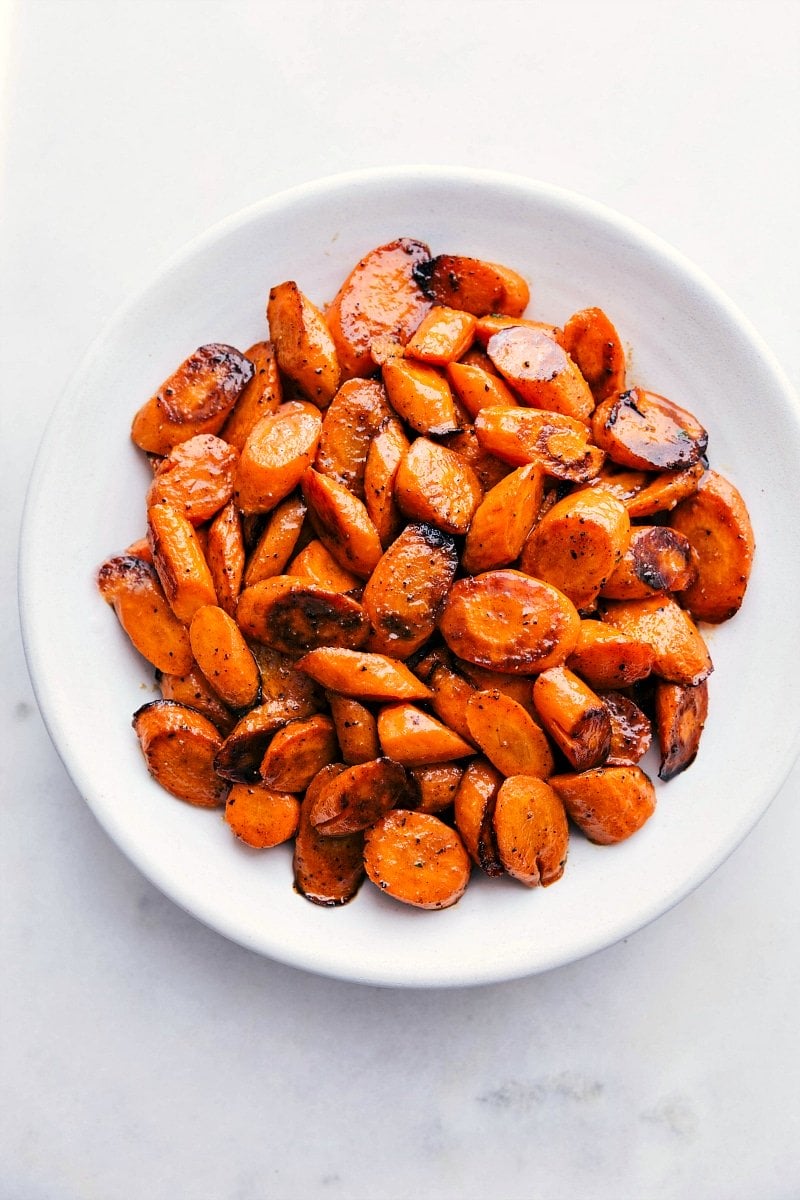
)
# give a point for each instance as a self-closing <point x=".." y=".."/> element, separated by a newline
<point x="342" y="524"/>
<point x="356" y="414"/>
<point x="414" y="738"/>
<point x="607" y="803"/>
<point x="681" y="714"/>
<point x="593" y="344"/>
<point x="179" y="561"/>
<point x="179" y="745"/>
<point x="263" y="394"/>
<point x="356" y="729"/>
<point x="509" y="622"/>
<point x="658" y="559"/>
<point x="442" y="336"/>
<point x="327" y="871"/>
<point x="476" y="388"/>
<point x="298" y="695"/>
<point x="531" y="830"/>
<point x="681" y="655"/>
<point x="508" y="735"/>
<point x="486" y="327"/>
<point x="193" y="690"/>
<point x="261" y="816"/>
<point x="297" y="752"/>
<point x="380" y="297"/>
<point x="631" y="731"/>
<point x="304" y="348"/>
<point x="417" y="859"/>
<point x="358" y="797"/>
<point x="421" y="395"/>
<point x="316" y="564"/>
<point x="130" y="585"/>
<point x="540" y="372"/>
<point x="383" y="458"/>
<point x="716" y="523"/>
<point x="489" y="469"/>
<point x="196" y="477"/>
<point x="277" y="542"/>
<point x="363" y="676"/>
<point x="278" y="450"/>
<point x="516" y="687"/>
<point x="223" y="656"/>
<point x="403" y="595"/>
<point x="437" y="785"/>
<point x="436" y="485"/>
<point x="195" y="399"/>
<point x="503" y="520"/>
<point x="451" y="693"/>
<point x="473" y="809"/>
<point x="475" y="286"/>
<point x="239" y="757"/>
<point x="574" y="716"/>
<point x="607" y="658"/>
<point x="558" y="443"/>
<point x="225" y="555"/>
<point x="293" y="616"/>
<point x="648" y="432"/>
<point x="660" y="493"/>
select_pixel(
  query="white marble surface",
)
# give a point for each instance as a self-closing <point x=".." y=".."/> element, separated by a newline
<point x="143" y="1056"/>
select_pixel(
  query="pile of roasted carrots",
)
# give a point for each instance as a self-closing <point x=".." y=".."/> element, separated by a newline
<point x="421" y="575"/>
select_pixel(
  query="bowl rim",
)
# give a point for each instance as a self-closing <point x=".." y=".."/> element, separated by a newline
<point x="385" y="176"/>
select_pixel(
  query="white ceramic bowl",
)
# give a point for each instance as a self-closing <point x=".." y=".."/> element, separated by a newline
<point x="86" y="502"/>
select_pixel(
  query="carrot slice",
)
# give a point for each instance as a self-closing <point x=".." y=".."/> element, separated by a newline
<point x="631" y="731"/>
<point x="179" y="745"/>
<point x="363" y="676"/>
<point x="262" y="395"/>
<point x="327" y="871"/>
<point x="442" y="336"/>
<point x="357" y="412"/>
<point x="437" y="785"/>
<point x="342" y="524"/>
<point x="487" y="326"/>
<point x="358" y="797"/>
<point x="316" y="564"/>
<point x="716" y="522"/>
<point x="509" y="622"/>
<point x="503" y="520"/>
<point x="356" y="729"/>
<point x="192" y="690"/>
<point x="607" y="658"/>
<point x="130" y="585"/>
<point x="558" y="443"/>
<point x="179" y="561"/>
<point x="531" y="829"/>
<point x="608" y="803"/>
<point x="473" y="809"/>
<point x="297" y="695"/>
<point x="292" y="616"/>
<point x="658" y="559"/>
<point x="380" y="297"/>
<point x="664" y="491"/>
<point x="577" y="544"/>
<point x="508" y="735"/>
<point x="304" y="348"/>
<point x="681" y="713"/>
<point x="195" y="399"/>
<point x="298" y="752"/>
<point x="278" y="450"/>
<point x="278" y="539"/>
<point x="421" y="395"/>
<point x="417" y="859"/>
<point x="648" y="432"/>
<point x="516" y="687"/>
<point x="414" y="738"/>
<point x="489" y="470"/>
<point x="451" y="694"/>
<point x="593" y="344"/>
<point x="239" y="757"/>
<point x="681" y="655"/>
<point x="540" y="372"/>
<point x="225" y="556"/>
<point x="475" y="286"/>
<point x="223" y="656"/>
<point x="261" y="816"/>
<point x="435" y="485"/>
<point x="196" y="477"/>
<point x="383" y="458"/>
<point x="403" y="595"/>
<point x="574" y="716"/>
<point x="476" y="388"/>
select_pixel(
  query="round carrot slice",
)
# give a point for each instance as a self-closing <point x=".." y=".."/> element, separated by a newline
<point x="179" y="745"/>
<point x="509" y="622"/>
<point x="593" y="343"/>
<point x="607" y="803"/>
<point x="417" y="859"/>
<point x="436" y="485"/>
<point x="532" y="832"/>
<point x="277" y="451"/>
<point x="648" y="432"/>
<point x="260" y="816"/>
<point x="716" y="523"/>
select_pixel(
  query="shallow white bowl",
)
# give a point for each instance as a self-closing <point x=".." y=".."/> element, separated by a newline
<point x="86" y="502"/>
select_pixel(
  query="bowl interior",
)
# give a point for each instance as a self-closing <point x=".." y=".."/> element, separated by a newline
<point x="86" y="502"/>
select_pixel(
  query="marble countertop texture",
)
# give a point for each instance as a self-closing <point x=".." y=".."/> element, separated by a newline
<point x="144" y="1057"/>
